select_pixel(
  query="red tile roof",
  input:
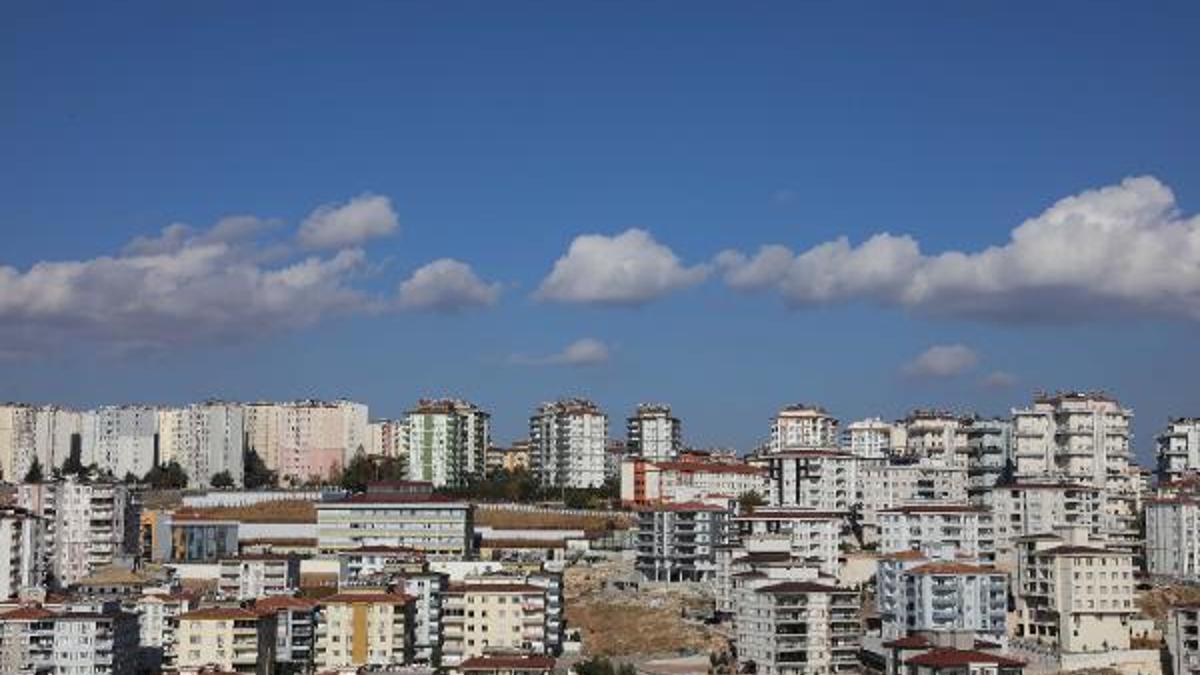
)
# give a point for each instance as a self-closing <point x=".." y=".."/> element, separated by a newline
<point x="953" y="568"/>
<point x="798" y="587"/>
<point x="219" y="614"/>
<point x="379" y="598"/>
<point x="946" y="657"/>
<point x="30" y="613"/>
<point x="529" y="662"/>
<point x="908" y="642"/>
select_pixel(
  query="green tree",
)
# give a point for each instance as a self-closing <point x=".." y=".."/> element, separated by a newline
<point x="222" y="480"/>
<point x="257" y="474"/>
<point x="748" y="501"/>
<point x="35" y="474"/>
<point x="130" y="479"/>
<point x="170" y="476"/>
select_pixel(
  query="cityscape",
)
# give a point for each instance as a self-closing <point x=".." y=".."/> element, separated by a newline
<point x="397" y="337"/>
<point x="307" y="536"/>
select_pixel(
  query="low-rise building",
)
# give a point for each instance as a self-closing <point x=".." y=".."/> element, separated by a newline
<point x="435" y="526"/>
<point x="951" y="661"/>
<point x="247" y="577"/>
<point x="668" y="482"/>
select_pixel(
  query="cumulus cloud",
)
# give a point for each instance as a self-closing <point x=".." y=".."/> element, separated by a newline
<point x="188" y="285"/>
<point x="446" y="285"/>
<point x="630" y="268"/>
<point x="1119" y="249"/>
<point x="337" y="226"/>
<point x="999" y="379"/>
<point x="583" y="352"/>
<point x="942" y="361"/>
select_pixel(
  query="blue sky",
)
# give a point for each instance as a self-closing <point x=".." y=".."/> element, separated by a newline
<point x="500" y="132"/>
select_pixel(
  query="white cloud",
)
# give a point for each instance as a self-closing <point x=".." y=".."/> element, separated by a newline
<point x="583" y="352"/>
<point x="999" y="380"/>
<point x="187" y="285"/>
<point x="1120" y="249"/>
<point x="628" y="269"/>
<point x="337" y="226"/>
<point x="942" y="361"/>
<point x="446" y="285"/>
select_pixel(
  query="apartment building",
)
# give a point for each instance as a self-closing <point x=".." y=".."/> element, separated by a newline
<point x="934" y="529"/>
<point x="645" y="482"/>
<point x="824" y="480"/>
<point x="569" y="441"/>
<point x="1183" y="639"/>
<point x="677" y="542"/>
<point x="1083" y="438"/>
<point x="27" y="640"/>
<point x="869" y="438"/>
<point x="955" y="661"/>
<point x="916" y="594"/>
<point x="295" y="628"/>
<point x="812" y="537"/>
<point x="123" y="440"/>
<point x="1022" y="509"/>
<point x="938" y="436"/>
<point x="87" y="525"/>
<point x="95" y="643"/>
<point x="261" y="423"/>
<point x="1176" y="449"/>
<point x="248" y="576"/>
<point x="22" y="558"/>
<point x="1173" y="538"/>
<point x="989" y="452"/>
<point x="439" y="528"/>
<point x="447" y="441"/>
<point x="206" y="439"/>
<point x="158" y="624"/>
<point x="364" y="629"/>
<point x="483" y="616"/>
<point x="653" y="434"/>
<point x="803" y="427"/>
<point x="17" y="441"/>
<point x="884" y="485"/>
<point x="797" y="628"/>
<point x="230" y="638"/>
<point x="1075" y="597"/>
<point x="313" y="437"/>
<point x="518" y="457"/>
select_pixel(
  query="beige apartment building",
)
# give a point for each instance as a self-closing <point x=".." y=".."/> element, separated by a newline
<point x="229" y="638"/>
<point x="482" y="617"/>
<point x="364" y="629"/>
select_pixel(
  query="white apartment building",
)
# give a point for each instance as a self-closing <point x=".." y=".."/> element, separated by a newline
<point x="355" y="418"/>
<point x="886" y="485"/>
<point x="87" y="525"/>
<point x="205" y="439"/>
<point x="158" y="623"/>
<point x="653" y="433"/>
<point x="824" y="480"/>
<point x="811" y="537"/>
<point x="251" y="576"/>
<point x="569" y="440"/>
<point x="17" y="436"/>
<point x="95" y="643"/>
<point x="123" y="440"/>
<point x="295" y="628"/>
<point x="869" y="438"/>
<point x="22" y="559"/>
<point x="936" y="435"/>
<point x="797" y="628"/>
<point x="1023" y="509"/>
<point x="916" y="594"/>
<point x="803" y="427"/>
<point x="447" y="441"/>
<point x="935" y="530"/>
<point x="1177" y="449"/>
<point x="1173" y="538"/>
<point x="1183" y="639"/>
<point x="645" y="482"/>
<point x="678" y="542"/>
<point x="1074" y="597"/>
<point x="387" y="438"/>
<point x="437" y="527"/>
<point x="1082" y="438"/>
